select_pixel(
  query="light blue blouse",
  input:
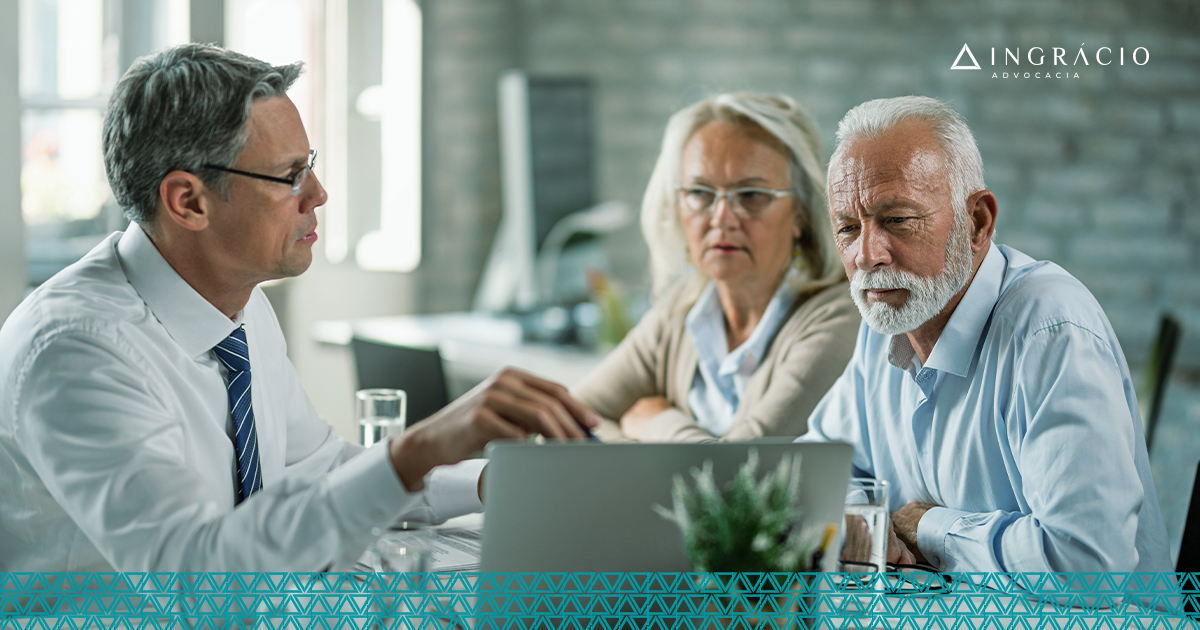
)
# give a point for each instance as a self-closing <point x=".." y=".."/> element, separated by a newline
<point x="721" y="374"/>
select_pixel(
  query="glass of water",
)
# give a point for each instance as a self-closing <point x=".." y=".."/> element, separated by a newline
<point x="864" y="547"/>
<point x="406" y="551"/>
<point x="380" y="414"/>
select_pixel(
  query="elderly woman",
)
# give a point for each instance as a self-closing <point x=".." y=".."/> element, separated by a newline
<point x="752" y="320"/>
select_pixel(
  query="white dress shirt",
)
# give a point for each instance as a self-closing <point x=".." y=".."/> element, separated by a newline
<point x="1022" y="425"/>
<point x="115" y="436"/>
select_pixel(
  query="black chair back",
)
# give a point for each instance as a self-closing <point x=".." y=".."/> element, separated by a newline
<point x="1158" y="372"/>
<point x="1189" y="545"/>
<point x="418" y="371"/>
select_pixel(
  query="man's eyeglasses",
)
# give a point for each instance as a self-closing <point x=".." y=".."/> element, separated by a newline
<point x="747" y="202"/>
<point x="295" y="181"/>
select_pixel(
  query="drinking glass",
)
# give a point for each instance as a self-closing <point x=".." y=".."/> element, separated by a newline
<point x="864" y="547"/>
<point x="404" y="551"/>
<point x="380" y="414"/>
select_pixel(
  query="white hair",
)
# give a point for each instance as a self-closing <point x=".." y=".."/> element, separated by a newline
<point x="780" y="118"/>
<point x="874" y="118"/>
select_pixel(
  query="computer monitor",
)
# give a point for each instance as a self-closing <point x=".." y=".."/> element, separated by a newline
<point x="546" y="155"/>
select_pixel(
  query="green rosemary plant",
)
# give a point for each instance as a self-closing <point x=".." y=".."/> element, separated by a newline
<point x="751" y="526"/>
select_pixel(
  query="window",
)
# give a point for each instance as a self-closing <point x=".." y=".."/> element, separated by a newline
<point x="396" y="244"/>
<point x="70" y="57"/>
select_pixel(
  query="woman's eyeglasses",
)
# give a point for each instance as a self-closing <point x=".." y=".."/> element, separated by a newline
<point x="746" y="202"/>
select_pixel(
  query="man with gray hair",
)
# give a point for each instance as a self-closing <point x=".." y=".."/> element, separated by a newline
<point x="151" y="418"/>
<point x="986" y="388"/>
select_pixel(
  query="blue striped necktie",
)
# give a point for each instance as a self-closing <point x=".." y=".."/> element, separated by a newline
<point x="234" y="354"/>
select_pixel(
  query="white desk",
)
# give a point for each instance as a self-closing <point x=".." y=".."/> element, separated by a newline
<point x="472" y="345"/>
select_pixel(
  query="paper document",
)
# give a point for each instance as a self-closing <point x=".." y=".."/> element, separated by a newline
<point x="457" y="545"/>
<point x="457" y="549"/>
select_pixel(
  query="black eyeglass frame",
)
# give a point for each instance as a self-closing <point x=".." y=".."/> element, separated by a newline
<point x="296" y="181"/>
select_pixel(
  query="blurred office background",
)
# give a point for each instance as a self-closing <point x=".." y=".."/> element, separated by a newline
<point x="1098" y="173"/>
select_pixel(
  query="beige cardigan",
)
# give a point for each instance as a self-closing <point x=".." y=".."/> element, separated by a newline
<point x="809" y="352"/>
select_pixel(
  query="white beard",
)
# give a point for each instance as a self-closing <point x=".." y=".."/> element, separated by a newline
<point x="926" y="296"/>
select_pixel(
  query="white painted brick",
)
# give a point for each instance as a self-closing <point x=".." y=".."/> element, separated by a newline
<point x="1035" y="244"/>
<point x="1029" y="34"/>
<point x="893" y="76"/>
<point x="626" y="39"/>
<point x="462" y="12"/>
<point x="1079" y="180"/>
<point x="1000" y="173"/>
<point x="1116" y="287"/>
<point x="1161" y="43"/>
<point x="831" y="71"/>
<point x="1185" y="115"/>
<point x="981" y="35"/>
<point x="1123" y="215"/>
<point x="1067" y="113"/>
<point x="764" y="12"/>
<point x="1099" y="148"/>
<point x="1136" y="116"/>
<point x="1166" y="184"/>
<point x="1191" y="223"/>
<point x="722" y="37"/>
<point x="569" y="34"/>
<point x="1023" y="146"/>
<point x="1129" y="252"/>
<point x="857" y="10"/>
<point x="1163" y="75"/>
<point x="1058" y="215"/>
<point x="812" y="36"/>
<point x="1182" y="287"/>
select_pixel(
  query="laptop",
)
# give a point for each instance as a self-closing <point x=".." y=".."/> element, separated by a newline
<point x="589" y="506"/>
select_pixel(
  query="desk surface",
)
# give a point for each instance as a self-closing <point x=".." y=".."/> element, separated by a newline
<point x="472" y="345"/>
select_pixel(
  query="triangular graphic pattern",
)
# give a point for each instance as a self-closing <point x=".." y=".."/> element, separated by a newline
<point x="599" y="601"/>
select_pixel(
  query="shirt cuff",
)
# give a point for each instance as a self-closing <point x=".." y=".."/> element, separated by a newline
<point x="454" y="490"/>
<point x="366" y="495"/>
<point x="932" y="530"/>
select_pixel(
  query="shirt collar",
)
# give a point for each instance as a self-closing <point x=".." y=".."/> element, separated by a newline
<point x="955" y="348"/>
<point x="706" y="323"/>
<point x="192" y="321"/>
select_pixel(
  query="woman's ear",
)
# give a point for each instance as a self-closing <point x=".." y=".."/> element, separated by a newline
<point x="799" y="222"/>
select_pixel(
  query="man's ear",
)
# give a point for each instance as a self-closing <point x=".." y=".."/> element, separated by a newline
<point x="182" y="200"/>
<point x="982" y="209"/>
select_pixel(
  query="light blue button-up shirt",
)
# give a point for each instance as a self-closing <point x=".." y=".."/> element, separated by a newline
<point x="721" y="373"/>
<point x="1023" y="424"/>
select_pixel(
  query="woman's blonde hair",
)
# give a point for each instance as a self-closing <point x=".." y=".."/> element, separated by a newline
<point x="787" y="123"/>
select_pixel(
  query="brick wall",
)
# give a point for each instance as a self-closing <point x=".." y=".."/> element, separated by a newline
<point x="1097" y="173"/>
<point x="468" y="43"/>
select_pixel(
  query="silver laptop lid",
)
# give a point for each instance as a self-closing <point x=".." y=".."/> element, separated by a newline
<point x="589" y="507"/>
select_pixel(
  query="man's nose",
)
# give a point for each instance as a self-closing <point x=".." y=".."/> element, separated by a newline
<point x="873" y="248"/>
<point x="317" y="190"/>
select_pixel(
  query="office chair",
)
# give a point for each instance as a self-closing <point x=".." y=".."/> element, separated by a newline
<point x="418" y="371"/>
<point x="1158" y="372"/>
<point x="1189" y="545"/>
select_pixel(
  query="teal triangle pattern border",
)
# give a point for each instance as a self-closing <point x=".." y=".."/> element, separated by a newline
<point x="599" y="601"/>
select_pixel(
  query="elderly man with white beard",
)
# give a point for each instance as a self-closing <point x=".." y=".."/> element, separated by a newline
<point x="986" y="387"/>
